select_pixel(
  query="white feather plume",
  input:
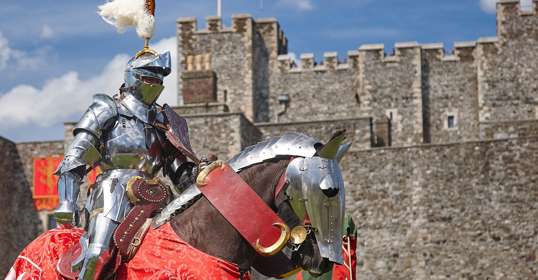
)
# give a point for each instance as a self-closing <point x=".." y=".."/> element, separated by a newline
<point x="125" y="13"/>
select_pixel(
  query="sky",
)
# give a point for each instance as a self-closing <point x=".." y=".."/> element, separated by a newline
<point x="54" y="55"/>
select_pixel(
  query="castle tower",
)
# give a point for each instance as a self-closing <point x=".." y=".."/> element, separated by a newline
<point x="229" y="66"/>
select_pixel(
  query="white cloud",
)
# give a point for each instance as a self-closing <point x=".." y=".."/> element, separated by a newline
<point x="301" y="5"/>
<point x="489" y="6"/>
<point x="68" y="95"/>
<point x="46" y="32"/>
<point x="17" y="59"/>
<point x="5" y="52"/>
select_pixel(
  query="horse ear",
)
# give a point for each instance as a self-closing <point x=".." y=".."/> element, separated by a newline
<point x="330" y="149"/>
<point x="342" y="150"/>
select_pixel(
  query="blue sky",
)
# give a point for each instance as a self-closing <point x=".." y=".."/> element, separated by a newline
<point x="55" y="54"/>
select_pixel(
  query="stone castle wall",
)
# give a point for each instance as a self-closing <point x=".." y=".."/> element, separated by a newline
<point x="328" y="89"/>
<point x="221" y="134"/>
<point x="19" y="221"/>
<point x="507" y="66"/>
<point x="450" y="86"/>
<point x="464" y="211"/>
<point x="418" y="87"/>
<point x="359" y="130"/>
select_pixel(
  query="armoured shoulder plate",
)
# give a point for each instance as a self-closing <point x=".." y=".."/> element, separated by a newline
<point x="101" y="114"/>
<point x="289" y="144"/>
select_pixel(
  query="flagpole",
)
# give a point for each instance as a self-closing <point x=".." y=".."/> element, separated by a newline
<point x="219" y="8"/>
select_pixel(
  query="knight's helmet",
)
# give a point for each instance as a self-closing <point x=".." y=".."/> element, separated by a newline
<point x="145" y="73"/>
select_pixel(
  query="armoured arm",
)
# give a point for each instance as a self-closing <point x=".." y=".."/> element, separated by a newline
<point x="181" y="172"/>
<point x="83" y="152"/>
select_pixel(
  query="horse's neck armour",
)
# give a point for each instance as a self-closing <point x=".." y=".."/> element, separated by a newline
<point x="183" y="201"/>
<point x="289" y="144"/>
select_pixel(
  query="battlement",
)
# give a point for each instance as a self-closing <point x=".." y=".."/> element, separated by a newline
<point x="214" y="24"/>
<point x="515" y="7"/>
<point x="269" y="29"/>
<point x="514" y="19"/>
<point x="274" y="36"/>
<point x="461" y="51"/>
<point x="307" y="62"/>
<point x="377" y="51"/>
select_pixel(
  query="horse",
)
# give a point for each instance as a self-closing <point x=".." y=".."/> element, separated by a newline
<point x="200" y="227"/>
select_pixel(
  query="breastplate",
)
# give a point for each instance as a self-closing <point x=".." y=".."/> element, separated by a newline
<point x="132" y="144"/>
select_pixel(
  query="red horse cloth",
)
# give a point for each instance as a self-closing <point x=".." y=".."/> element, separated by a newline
<point x="162" y="255"/>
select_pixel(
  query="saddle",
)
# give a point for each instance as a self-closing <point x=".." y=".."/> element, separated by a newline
<point x="149" y="197"/>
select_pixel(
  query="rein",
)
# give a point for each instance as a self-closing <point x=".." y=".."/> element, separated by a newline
<point x="231" y="195"/>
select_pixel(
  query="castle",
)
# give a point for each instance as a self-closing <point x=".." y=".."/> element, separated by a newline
<point x="441" y="178"/>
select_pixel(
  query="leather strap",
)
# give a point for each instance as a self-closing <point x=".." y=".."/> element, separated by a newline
<point x="280" y="185"/>
<point x="281" y="182"/>
<point x="149" y="197"/>
<point x="242" y="207"/>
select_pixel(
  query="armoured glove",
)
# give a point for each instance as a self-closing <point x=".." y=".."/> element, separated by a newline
<point x="66" y="214"/>
<point x="68" y="189"/>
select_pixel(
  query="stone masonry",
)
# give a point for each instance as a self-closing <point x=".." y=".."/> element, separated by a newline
<point x="442" y="176"/>
<point x="19" y="221"/>
<point x="428" y="95"/>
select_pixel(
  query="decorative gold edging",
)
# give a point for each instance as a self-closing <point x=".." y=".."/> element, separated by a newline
<point x="298" y="235"/>
<point x="278" y="245"/>
<point x="288" y="274"/>
<point x="200" y="179"/>
<point x="130" y="192"/>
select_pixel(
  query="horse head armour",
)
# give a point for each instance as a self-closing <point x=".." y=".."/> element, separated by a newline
<point x="315" y="187"/>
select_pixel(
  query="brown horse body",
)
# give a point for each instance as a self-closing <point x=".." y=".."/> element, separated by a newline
<point x="203" y="227"/>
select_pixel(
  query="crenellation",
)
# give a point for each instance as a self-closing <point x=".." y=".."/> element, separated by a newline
<point x="269" y="20"/>
<point x="461" y="51"/>
<point x="488" y="40"/>
<point x="514" y="7"/>
<point x="353" y="59"/>
<point x="187" y="21"/>
<point x="285" y="62"/>
<point x="513" y="20"/>
<point x="401" y="51"/>
<point x="307" y="61"/>
<point x="372" y="51"/>
<point x="405" y="45"/>
<point x="214" y="23"/>
<point x="330" y="60"/>
<point x="433" y="51"/>
<point x="433" y="46"/>
<point x="240" y="22"/>
<point x="465" y="50"/>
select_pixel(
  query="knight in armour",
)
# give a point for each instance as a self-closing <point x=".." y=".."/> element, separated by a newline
<point x="127" y="136"/>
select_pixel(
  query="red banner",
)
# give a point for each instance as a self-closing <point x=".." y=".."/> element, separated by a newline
<point x="45" y="189"/>
<point x="46" y="183"/>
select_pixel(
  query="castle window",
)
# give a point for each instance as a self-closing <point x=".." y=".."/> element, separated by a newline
<point x="451" y="121"/>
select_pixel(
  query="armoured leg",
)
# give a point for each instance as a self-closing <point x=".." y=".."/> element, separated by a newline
<point x="98" y="252"/>
<point x="108" y="205"/>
